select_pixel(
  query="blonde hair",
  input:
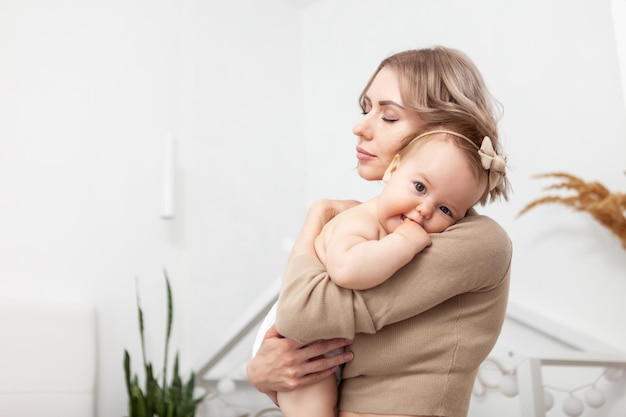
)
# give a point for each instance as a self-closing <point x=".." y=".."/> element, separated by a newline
<point x="447" y="91"/>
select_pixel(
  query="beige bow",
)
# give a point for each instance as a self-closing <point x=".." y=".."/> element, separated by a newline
<point x="492" y="162"/>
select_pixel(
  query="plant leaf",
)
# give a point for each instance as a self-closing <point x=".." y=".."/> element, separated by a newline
<point x="173" y="401"/>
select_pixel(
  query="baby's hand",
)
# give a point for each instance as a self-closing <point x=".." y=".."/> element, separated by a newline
<point x="414" y="233"/>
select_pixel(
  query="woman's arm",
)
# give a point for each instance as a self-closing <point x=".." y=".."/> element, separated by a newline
<point x="472" y="255"/>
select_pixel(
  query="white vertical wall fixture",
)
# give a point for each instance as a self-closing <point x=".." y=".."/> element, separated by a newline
<point x="169" y="178"/>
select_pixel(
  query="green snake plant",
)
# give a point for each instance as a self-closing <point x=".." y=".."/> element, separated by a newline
<point x="175" y="399"/>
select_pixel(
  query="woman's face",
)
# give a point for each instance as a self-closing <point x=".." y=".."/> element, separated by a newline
<point x="384" y="125"/>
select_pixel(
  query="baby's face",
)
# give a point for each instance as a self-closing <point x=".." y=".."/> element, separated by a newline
<point x="434" y="186"/>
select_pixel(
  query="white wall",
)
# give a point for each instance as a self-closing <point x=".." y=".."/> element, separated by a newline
<point x="86" y="98"/>
<point x="246" y="179"/>
<point x="89" y="89"/>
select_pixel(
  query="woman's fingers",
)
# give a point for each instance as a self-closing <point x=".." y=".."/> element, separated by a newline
<point x="316" y="361"/>
<point x="283" y="364"/>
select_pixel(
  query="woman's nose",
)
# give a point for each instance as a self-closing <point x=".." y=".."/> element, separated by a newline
<point x="362" y="128"/>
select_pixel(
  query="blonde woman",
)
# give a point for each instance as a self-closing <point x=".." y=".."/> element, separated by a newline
<point x="415" y="341"/>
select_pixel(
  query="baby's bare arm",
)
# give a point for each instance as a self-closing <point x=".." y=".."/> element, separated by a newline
<point x="356" y="258"/>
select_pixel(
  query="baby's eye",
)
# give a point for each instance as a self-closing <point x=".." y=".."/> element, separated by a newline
<point x="420" y="187"/>
<point x="446" y="211"/>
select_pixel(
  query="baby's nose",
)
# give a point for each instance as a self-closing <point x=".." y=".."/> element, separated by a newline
<point x="425" y="209"/>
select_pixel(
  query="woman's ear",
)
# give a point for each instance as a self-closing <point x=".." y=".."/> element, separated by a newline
<point x="393" y="166"/>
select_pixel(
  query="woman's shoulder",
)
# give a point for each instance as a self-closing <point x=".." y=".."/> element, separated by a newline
<point x="475" y="221"/>
<point x="480" y="230"/>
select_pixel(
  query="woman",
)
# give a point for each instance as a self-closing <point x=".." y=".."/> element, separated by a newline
<point x="419" y="337"/>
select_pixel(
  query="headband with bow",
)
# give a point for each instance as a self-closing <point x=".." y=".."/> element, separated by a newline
<point x="490" y="160"/>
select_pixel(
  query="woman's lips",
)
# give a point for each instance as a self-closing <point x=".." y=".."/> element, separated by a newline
<point x="363" y="155"/>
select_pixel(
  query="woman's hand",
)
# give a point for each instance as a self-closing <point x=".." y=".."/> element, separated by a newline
<point x="319" y="214"/>
<point x="283" y="364"/>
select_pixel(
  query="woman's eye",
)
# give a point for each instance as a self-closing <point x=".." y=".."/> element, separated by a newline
<point x="389" y="117"/>
<point x="366" y="107"/>
<point x="420" y="187"/>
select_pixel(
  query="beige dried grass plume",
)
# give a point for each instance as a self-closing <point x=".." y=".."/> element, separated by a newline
<point x="607" y="208"/>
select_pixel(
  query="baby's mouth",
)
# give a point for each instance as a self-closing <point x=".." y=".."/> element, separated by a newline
<point x="408" y="218"/>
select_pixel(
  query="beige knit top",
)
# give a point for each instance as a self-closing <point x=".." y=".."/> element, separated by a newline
<point x="420" y="336"/>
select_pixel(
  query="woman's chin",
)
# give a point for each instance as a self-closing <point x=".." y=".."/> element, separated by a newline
<point x="368" y="173"/>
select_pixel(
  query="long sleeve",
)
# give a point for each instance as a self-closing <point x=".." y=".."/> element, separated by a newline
<point x="474" y="255"/>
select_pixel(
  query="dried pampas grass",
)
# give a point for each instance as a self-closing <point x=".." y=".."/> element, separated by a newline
<point x="607" y="208"/>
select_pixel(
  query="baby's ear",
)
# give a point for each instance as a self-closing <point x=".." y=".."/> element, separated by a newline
<point x="393" y="166"/>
